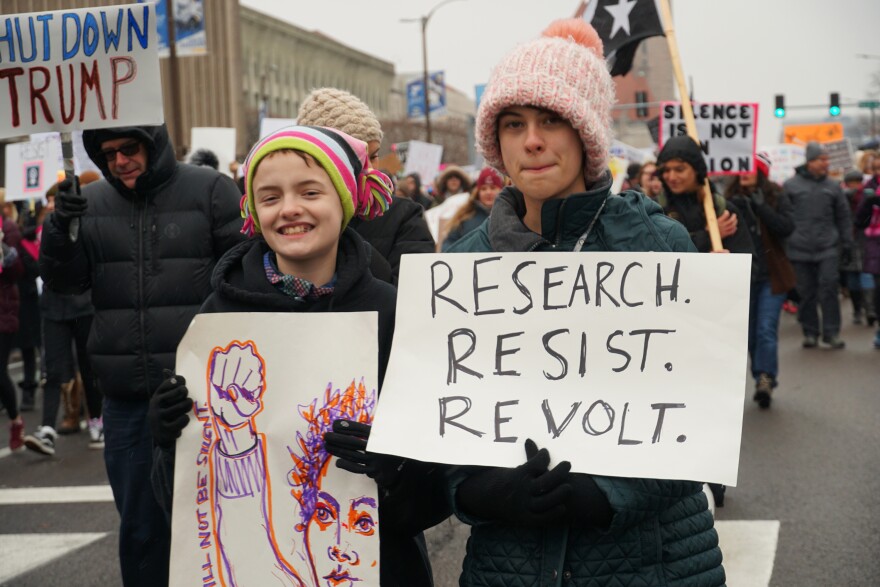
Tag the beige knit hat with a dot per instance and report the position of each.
(337, 109)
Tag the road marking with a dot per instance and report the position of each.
(23, 552)
(5, 452)
(749, 549)
(70, 494)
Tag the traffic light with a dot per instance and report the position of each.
(642, 104)
(780, 106)
(834, 107)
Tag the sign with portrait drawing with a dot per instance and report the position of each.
(257, 499)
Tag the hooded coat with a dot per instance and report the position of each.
(660, 531)
(418, 501)
(147, 253)
(9, 277)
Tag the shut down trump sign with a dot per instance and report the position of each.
(76, 69)
(624, 364)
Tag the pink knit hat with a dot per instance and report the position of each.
(563, 71)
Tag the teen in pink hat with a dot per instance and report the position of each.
(545, 121)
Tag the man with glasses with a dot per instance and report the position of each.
(146, 242)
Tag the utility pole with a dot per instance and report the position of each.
(174, 86)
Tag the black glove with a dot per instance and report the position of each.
(529, 495)
(348, 443)
(69, 203)
(758, 197)
(169, 409)
(846, 256)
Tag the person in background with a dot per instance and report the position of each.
(633, 179)
(11, 270)
(29, 339)
(545, 121)
(822, 237)
(150, 235)
(451, 181)
(412, 189)
(683, 173)
(766, 213)
(867, 220)
(67, 320)
(402, 229)
(858, 284)
(649, 180)
(476, 209)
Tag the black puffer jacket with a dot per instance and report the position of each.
(148, 255)
(418, 501)
(402, 229)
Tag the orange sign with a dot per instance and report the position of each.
(825, 132)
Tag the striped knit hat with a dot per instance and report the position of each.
(564, 72)
(363, 191)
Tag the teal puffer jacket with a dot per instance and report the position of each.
(661, 532)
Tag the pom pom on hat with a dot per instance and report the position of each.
(363, 191)
(563, 72)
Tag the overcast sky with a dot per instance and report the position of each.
(735, 50)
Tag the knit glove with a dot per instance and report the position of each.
(529, 495)
(169, 409)
(758, 197)
(69, 203)
(348, 443)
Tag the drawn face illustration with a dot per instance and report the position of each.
(342, 532)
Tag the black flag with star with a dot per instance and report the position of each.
(622, 25)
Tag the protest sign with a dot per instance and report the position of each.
(784, 159)
(624, 364)
(824, 132)
(630, 153)
(218, 140)
(840, 156)
(257, 499)
(32, 167)
(424, 159)
(78, 69)
(270, 125)
(727, 131)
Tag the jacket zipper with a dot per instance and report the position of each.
(559, 224)
(141, 317)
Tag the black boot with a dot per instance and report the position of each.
(856, 296)
(28, 391)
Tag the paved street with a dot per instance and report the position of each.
(803, 511)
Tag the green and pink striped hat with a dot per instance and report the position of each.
(363, 191)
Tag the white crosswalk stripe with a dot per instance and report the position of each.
(23, 552)
(70, 494)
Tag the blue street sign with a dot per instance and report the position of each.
(415, 96)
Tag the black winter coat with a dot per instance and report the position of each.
(688, 209)
(418, 501)
(9, 277)
(402, 229)
(148, 255)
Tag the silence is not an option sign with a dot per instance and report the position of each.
(728, 133)
(624, 364)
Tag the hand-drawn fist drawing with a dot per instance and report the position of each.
(237, 376)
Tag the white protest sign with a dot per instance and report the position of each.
(728, 132)
(444, 213)
(219, 140)
(784, 159)
(840, 155)
(424, 159)
(624, 364)
(79, 69)
(270, 125)
(256, 499)
(630, 153)
(32, 167)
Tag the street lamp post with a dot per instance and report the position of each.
(423, 20)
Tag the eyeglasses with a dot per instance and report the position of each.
(128, 149)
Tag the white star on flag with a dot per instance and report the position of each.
(620, 12)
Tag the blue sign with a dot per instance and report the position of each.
(478, 91)
(189, 27)
(415, 95)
